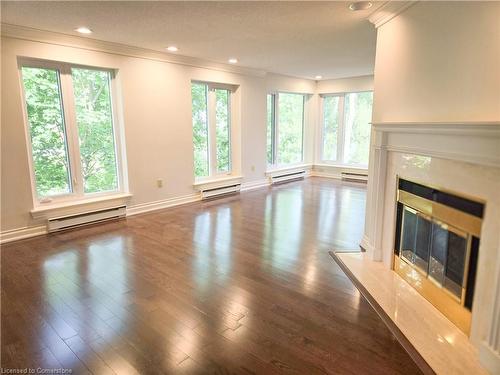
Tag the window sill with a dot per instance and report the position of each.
(53, 210)
(288, 168)
(359, 168)
(217, 182)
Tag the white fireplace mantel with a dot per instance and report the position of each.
(464, 157)
(476, 143)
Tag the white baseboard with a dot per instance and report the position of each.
(165, 203)
(246, 186)
(489, 358)
(22, 233)
(27, 232)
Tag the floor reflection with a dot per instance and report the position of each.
(212, 240)
(85, 285)
(283, 228)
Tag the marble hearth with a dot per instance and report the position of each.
(460, 157)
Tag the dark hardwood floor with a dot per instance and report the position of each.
(239, 285)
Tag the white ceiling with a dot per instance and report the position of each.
(301, 39)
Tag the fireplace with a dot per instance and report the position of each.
(436, 246)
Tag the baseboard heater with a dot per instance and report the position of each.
(219, 191)
(356, 177)
(290, 176)
(72, 221)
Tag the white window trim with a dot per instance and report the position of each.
(77, 196)
(340, 133)
(274, 118)
(275, 137)
(213, 173)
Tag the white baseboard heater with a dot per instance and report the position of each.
(355, 177)
(288, 176)
(72, 221)
(221, 190)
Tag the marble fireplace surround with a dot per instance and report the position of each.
(461, 157)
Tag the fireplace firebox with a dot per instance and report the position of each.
(437, 245)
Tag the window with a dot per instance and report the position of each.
(211, 111)
(271, 131)
(346, 128)
(330, 127)
(285, 128)
(71, 130)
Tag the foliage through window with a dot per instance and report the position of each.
(346, 128)
(70, 123)
(211, 114)
(47, 131)
(200, 128)
(222, 134)
(95, 129)
(331, 127)
(285, 128)
(270, 129)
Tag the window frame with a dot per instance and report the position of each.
(274, 143)
(211, 102)
(340, 131)
(275, 135)
(68, 111)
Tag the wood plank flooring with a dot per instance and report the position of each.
(240, 285)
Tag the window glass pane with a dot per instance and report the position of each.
(357, 114)
(222, 130)
(200, 129)
(290, 117)
(330, 127)
(270, 129)
(94, 119)
(47, 131)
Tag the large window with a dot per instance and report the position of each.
(346, 128)
(285, 128)
(71, 130)
(211, 106)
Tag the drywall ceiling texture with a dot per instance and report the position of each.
(438, 62)
(301, 39)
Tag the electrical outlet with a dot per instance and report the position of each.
(253, 168)
(159, 183)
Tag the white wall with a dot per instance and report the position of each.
(354, 84)
(439, 61)
(156, 102)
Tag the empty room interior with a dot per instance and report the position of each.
(250, 187)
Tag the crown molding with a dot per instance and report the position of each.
(388, 11)
(467, 128)
(50, 37)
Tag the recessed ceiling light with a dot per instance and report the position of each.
(318, 77)
(172, 48)
(360, 5)
(232, 60)
(84, 30)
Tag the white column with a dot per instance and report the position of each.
(489, 352)
(374, 216)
